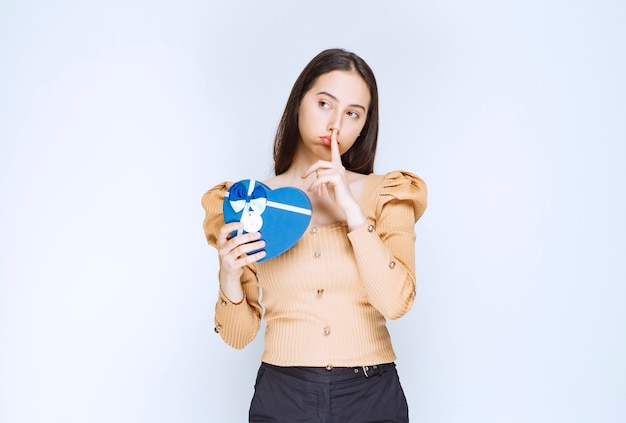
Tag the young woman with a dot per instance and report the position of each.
(328, 355)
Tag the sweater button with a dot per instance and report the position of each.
(317, 254)
(320, 291)
(223, 303)
(329, 367)
(413, 294)
(370, 228)
(326, 331)
(392, 264)
(217, 328)
(313, 231)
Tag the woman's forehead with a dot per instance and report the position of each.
(348, 87)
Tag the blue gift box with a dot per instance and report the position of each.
(281, 215)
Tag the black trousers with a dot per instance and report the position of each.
(316, 395)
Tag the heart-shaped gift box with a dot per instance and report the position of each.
(281, 215)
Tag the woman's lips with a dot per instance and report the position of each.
(326, 141)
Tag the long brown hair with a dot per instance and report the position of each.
(360, 157)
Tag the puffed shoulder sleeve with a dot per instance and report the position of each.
(385, 246)
(404, 187)
(212, 204)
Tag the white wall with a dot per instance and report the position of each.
(116, 116)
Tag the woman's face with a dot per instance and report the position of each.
(337, 100)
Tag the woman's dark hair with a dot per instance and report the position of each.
(360, 157)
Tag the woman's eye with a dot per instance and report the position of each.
(324, 104)
(353, 115)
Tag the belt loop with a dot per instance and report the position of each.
(365, 369)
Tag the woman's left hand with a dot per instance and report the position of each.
(331, 179)
(331, 175)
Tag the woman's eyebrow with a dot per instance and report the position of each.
(337, 100)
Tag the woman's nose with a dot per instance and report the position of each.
(335, 122)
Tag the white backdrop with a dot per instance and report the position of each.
(116, 116)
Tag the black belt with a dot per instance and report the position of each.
(333, 374)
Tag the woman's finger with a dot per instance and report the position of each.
(317, 168)
(227, 229)
(335, 156)
(243, 249)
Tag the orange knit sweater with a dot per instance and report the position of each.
(326, 300)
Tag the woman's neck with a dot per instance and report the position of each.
(293, 175)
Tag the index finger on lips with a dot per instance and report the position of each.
(335, 156)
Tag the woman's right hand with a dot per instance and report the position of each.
(233, 257)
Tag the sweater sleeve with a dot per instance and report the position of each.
(238, 323)
(385, 246)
